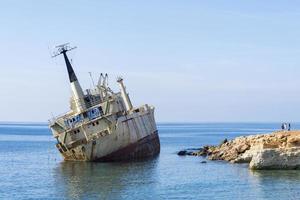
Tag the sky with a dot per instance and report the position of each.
(195, 61)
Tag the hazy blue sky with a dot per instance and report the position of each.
(193, 60)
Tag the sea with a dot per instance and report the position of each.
(32, 168)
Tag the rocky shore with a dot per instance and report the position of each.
(277, 150)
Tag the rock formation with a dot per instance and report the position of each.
(278, 150)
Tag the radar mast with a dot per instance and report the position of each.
(78, 95)
(63, 49)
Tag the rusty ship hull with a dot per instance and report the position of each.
(146, 147)
(131, 137)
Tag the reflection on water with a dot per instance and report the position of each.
(277, 184)
(79, 180)
(284, 175)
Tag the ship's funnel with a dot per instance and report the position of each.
(77, 92)
(125, 96)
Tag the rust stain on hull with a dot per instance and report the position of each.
(148, 146)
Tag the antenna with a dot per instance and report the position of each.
(63, 48)
(100, 80)
(92, 79)
(106, 79)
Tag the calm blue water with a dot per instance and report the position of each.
(31, 168)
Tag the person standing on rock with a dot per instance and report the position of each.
(289, 127)
(285, 126)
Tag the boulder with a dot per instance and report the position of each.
(224, 141)
(182, 153)
(276, 159)
(189, 152)
(242, 148)
(294, 141)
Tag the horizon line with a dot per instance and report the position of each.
(162, 122)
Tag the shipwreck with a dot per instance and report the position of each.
(103, 125)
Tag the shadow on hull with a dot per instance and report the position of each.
(146, 148)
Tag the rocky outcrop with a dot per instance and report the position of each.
(189, 152)
(276, 159)
(278, 150)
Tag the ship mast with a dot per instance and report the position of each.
(78, 95)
